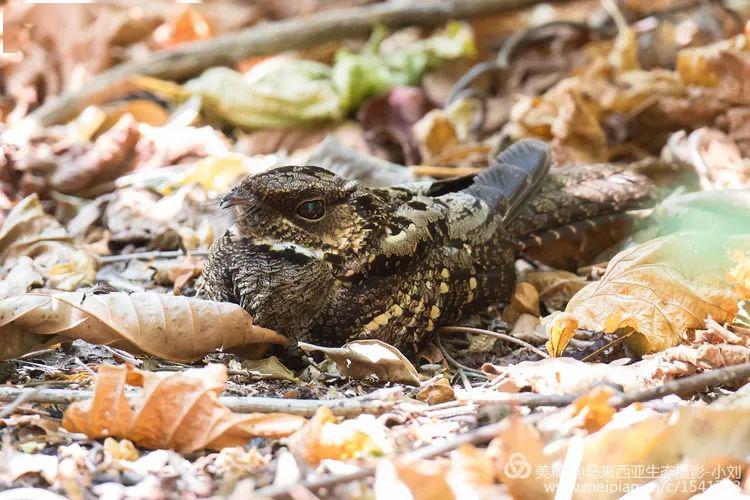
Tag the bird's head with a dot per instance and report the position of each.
(304, 207)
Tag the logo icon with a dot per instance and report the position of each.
(517, 467)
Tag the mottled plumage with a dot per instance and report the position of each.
(324, 259)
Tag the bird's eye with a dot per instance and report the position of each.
(311, 209)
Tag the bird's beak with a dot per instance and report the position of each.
(233, 199)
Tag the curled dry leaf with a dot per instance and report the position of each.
(436, 392)
(176, 328)
(560, 328)
(556, 287)
(660, 289)
(322, 437)
(180, 411)
(362, 358)
(269, 368)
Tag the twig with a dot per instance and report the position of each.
(451, 360)
(302, 407)
(20, 399)
(480, 331)
(476, 436)
(608, 345)
(687, 386)
(156, 254)
(267, 38)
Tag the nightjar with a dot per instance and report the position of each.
(324, 259)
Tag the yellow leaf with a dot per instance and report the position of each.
(216, 173)
(660, 289)
(561, 327)
(322, 437)
(593, 408)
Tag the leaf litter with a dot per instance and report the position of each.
(120, 382)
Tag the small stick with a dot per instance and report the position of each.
(156, 254)
(20, 399)
(247, 404)
(262, 39)
(480, 331)
(453, 361)
(476, 436)
(687, 386)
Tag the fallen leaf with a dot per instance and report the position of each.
(556, 287)
(142, 110)
(363, 358)
(187, 26)
(441, 131)
(560, 328)
(715, 157)
(269, 368)
(388, 121)
(121, 450)
(171, 327)
(592, 409)
(468, 474)
(660, 288)
(570, 376)
(322, 437)
(439, 391)
(525, 299)
(21, 278)
(109, 157)
(180, 411)
(29, 232)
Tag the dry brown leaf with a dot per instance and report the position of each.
(322, 437)
(29, 232)
(660, 289)
(556, 287)
(715, 157)
(525, 299)
(363, 358)
(560, 328)
(569, 376)
(176, 328)
(439, 391)
(109, 157)
(180, 411)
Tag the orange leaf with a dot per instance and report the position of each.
(180, 411)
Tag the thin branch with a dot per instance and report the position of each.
(451, 360)
(156, 254)
(503, 336)
(266, 38)
(302, 407)
(687, 386)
